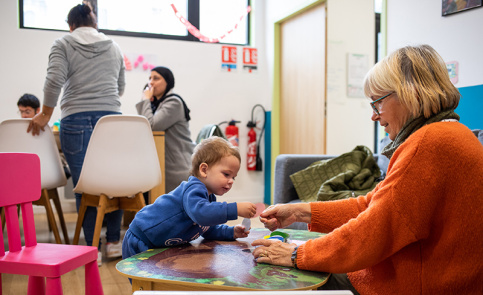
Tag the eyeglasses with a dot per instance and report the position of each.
(373, 104)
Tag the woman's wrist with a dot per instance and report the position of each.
(47, 111)
(303, 212)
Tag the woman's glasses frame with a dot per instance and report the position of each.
(373, 103)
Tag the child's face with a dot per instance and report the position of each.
(27, 112)
(219, 177)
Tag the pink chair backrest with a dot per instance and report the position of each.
(19, 184)
(19, 178)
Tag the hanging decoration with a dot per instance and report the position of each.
(195, 32)
(141, 62)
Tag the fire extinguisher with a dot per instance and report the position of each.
(231, 132)
(252, 147)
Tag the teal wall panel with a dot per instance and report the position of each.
(470, 107)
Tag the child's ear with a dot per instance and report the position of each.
(203, 169)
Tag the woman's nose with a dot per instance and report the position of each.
(374, 117)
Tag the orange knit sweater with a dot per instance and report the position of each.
(420, 231)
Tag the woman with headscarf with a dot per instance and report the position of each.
(419, 230)
(167, 111)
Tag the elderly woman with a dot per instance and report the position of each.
(419, 230)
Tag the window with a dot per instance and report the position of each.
(215, 19)
(218, 17)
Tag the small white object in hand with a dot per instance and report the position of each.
(247, 223)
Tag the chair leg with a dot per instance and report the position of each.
(54, 195)
(45, 201)
(132, 204)
(2, 213)
(80, 220)
(53, 286)
(101, 211)
(36, 286)
(92, 279)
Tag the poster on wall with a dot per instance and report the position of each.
(250, 60)
(357, 67)
(228, 58)
(454, 6)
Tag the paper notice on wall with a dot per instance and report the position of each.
(250, 60)
(452, 67)
(357, 67)
(228, 58)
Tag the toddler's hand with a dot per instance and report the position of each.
(246, 209)
(239, 232)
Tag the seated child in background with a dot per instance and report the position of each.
(28, 105)
(191, 210)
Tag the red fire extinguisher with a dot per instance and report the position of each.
(231, 132)
(252, 147)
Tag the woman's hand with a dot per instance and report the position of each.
(246, 209)
(40, 120)
(282, 215)
(239, 231)
(273, 252)
(148, 93)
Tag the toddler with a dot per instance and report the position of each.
(191, 210)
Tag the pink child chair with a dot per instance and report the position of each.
(20, 184)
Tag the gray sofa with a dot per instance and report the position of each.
(287, 164)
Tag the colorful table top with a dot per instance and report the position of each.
(221, 263)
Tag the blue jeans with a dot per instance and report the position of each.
(75, 133)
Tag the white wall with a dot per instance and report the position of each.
(456, 37)
(350, 30)
(212, 95)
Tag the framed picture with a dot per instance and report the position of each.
(454, 6)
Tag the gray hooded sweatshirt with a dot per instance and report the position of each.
(90, 67)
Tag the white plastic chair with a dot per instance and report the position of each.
(14, 138)
(121, 163)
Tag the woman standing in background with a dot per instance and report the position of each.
(90, 68)
(167, 111)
